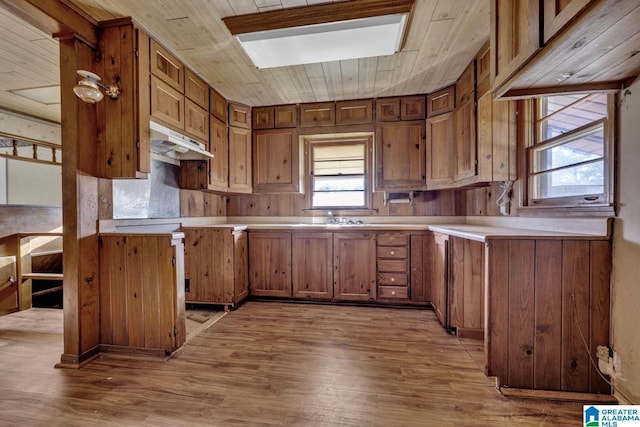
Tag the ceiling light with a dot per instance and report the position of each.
(322, 33)
(88, 88)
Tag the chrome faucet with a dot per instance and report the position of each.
(331, 219)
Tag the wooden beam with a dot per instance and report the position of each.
(55, 16)
(318, 14)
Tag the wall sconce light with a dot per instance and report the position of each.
(88, 88)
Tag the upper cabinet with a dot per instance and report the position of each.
(239, 116)
(465, 125)
(400, 156)
(318, 114)
(354, 112)
(218, 105)
(539, 46)
(239, 160)
(276, 161)
(401, 108)
(166, 67)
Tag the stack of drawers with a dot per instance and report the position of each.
(393, 266)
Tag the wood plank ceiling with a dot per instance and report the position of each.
(443, 38)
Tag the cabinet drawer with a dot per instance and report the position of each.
(393, 279)
(393, 292)
(392, 265)
(389, 239)
(396, 252)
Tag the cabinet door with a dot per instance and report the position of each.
(465, 118)
(313, 265)
(466, 287)
(440, 151)
(387, 109)
(240, 116)
(270, 263)
(354, 267)
(442, 101)
(196, 121)
(558, 13)
(483, 70)
(515, 37)
(276, 164)
(167, 104)
(218, 106)
(196, 89)
(318, 114)
(400, 156)
(466, 84)
(419, 267)
(354, 112)
(219, 147)
(263, 118)
(239, 160)
(166, 67)
(439, 276)
(413, 107)
(240, 266)
(209, 264)
(286, 116)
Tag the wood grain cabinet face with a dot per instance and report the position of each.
(286, 116)
(440, 276)
(270, 264)
(413, 107)
(142, 292)
(276, 161)
(312, 257)
(466, 84)
(420, 253)
(196, 121)
(441, 102)
(354, 275)
(508, 51)
(218, 106)
(387, 109)
(557, 14)
(440, 150)
(263, 118)
(166, 67)
(196, 89)
(125, 151)
(219, 147)
(167, 104)
(465, 120)
(400, 156)
(354, 112)
(239, 116)
(483, 70)
(239, 160)
(466, 287)
(318, 114)
(393, 266)
(216, 265)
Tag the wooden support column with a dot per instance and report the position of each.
(80, 209)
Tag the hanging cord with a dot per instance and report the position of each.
(584, 341)
(503, 200)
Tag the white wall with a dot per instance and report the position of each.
(30, 183)
(626, 252)
(3, 181)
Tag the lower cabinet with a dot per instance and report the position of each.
(313, 265)
(440, 276)
(142, 292)
(466, 287)
(393, 267)
(270, 263)
(354, 266)
(216, 270)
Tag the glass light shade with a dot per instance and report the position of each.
(88, 91)
(334, 41)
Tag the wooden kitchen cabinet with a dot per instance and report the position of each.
(557, 14)
(216, 265)
(413, 107)
(354, 112)
(218, 106)
(276, 161)
(440, 151)
(441, 101)
(239, 116)
(285, 116)
(420, 254)
(312, 257)
(466, 287)
(543, 296)
(166, 67)
(167, 104)
(393, 266)
(196, 122)
(218, 178)
(354, 264)
(263, 118)
(465, 120)
(239, 160)
(515, 37)
(270, 263)
(124, 151)
(318, 114)
(440, 276)
(196, 89)
(400, 156)
(387, 109)
(142, 302)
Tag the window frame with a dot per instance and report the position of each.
(601, 204)
(365, 138)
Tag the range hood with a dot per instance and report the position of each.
(169, 143)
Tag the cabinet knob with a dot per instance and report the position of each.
(393, 252)
(393, 292)
(393, 279)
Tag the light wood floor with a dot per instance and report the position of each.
(267, 364)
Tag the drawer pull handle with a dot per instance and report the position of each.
(393, 279)
(393, 252)
(393, 292)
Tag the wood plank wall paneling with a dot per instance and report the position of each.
(194, 203)
(548, 312)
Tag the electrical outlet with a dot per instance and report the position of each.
(603, 353)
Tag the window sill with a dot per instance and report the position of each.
(565, 211)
